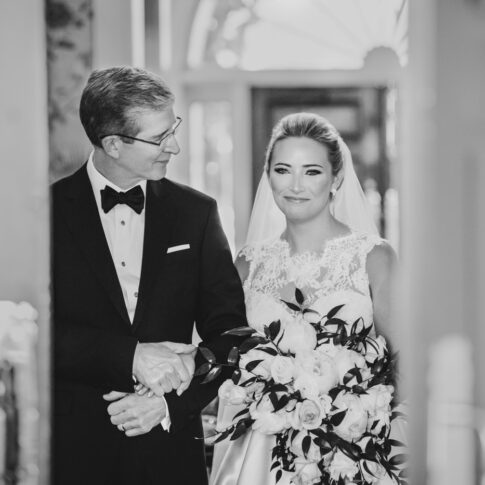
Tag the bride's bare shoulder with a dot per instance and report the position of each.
(381, 261)
(242, 265)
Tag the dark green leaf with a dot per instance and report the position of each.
(398, 459)
(233, 356)
(241, 413)
(305, 445)
(203, 369)
(279, 473)
(240, 331)
(239, 431)
(334, 311)
(336, 321)
(355, 372)
(395, 443)
(251, 342)
(337, 418)
(236, 376)
(274, 329)
(212, 374)
(279, 388)
(283, 401)
(253, 364)
(292, 306)
(299, 296)
(351, 450)
(370, 448)
(309, 310)
(274, 399)
(249, 381)
(222, 436)
(398, 414)
(241, 427)
(404, 473)
(208, 355)
(268, 350)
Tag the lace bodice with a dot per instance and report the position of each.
(336, 274)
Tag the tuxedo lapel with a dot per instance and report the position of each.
(159, 222)
(82, 217)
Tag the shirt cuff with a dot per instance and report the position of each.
(166, 422)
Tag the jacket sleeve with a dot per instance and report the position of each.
(93, 356)
(220, 307)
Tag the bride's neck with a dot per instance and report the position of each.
(312, 235)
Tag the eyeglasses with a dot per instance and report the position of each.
(159, 143)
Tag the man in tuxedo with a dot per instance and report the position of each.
(137, 259)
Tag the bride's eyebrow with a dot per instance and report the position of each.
(308, 165)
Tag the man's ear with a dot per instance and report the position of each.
(112, 145)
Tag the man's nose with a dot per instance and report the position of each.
(171, 145)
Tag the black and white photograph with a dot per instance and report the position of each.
(242, 242)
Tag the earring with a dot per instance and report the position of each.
(333, 192)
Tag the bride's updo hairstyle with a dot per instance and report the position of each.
(309, 125)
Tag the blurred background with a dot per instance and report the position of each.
(403, 83)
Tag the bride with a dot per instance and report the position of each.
(318, 237)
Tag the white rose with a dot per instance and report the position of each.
(266, 420)
(282, 369)
(255, 390)
(298, 336)
(377, 398)
(25, 311)
(354, 423)
(308, 386)
(329, 349)
(342, 466)
(261, 310)
(376, 471)
(319, 366)
(231, 393)
(306, 473)
(296, 447)
(346, 360)
(263, 369)
(377, 421)
(355, 306)
(306, 415)
(326, 403)
(18, 331)
(375, 350)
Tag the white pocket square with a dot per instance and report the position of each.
(180, 247)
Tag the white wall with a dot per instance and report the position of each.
(24, 206)
(443, 175)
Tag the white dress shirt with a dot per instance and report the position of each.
(124, 230)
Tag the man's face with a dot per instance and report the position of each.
(143, 161)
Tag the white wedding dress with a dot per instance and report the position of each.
(335, 275)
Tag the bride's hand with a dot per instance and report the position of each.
(141, 390)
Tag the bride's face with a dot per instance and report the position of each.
(301, 178)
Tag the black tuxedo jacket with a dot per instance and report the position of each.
(94, 340)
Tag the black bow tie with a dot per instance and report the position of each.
(135, 198)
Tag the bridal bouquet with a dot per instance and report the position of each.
(324, 387)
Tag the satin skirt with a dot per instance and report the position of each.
(247, 460)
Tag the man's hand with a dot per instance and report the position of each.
(164, 366)
(134, 414)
